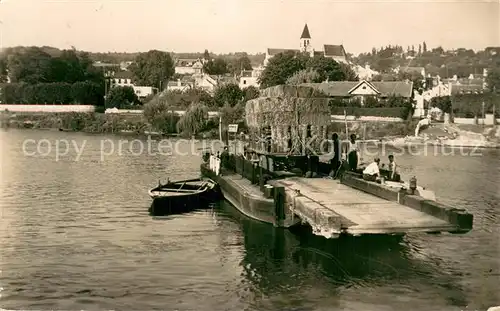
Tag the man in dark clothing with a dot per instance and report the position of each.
(224, 158)
(336, 152)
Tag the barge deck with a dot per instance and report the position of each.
(332, 208)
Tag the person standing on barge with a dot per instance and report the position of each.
(336, 153)
(352, 153)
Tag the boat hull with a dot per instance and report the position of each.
(176, 203)
(250, 204)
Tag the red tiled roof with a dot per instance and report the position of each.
(305, 33)
(334, 50)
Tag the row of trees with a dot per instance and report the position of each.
(33, 65)
(468, 105)
(224, 95)
(233, 64)
(85, 93)
(392, 106)
(37, 76)
(460, 62)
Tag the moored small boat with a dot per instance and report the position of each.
(184, 195)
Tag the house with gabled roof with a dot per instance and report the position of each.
(335, 52)
(362, 89)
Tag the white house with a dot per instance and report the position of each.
(144, 91)
(365, 73)
(250, 78)
(335, 52)
(125, 78)
(189, 66)
(121, 78)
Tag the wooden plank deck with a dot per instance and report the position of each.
(362, 213)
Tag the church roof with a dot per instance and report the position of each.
(334, 50)
(305, 33)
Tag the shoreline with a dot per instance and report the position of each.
(395, 142)
(379, 133)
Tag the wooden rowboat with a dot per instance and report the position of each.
(182, 196)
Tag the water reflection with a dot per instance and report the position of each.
(280, 264)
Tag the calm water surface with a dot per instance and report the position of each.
(76, 235)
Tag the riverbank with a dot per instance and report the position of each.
(452, 135)
(89, 122)
(398, 134)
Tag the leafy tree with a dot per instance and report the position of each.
(236, 65)
(232, 114)
(87, 93)
(424, 47)
(304, 76)
(327, 68)
(67, 67)
(160, 115)
(3, 70)
(251, 92)
(284, 65)
(206, 55)
(182, 99)
(194, 120)
(228, 94)
(217, 66)
(443, 103)
(281, 67)
(121, 97)
(32, 66)
(349, 74)
(493, 79)
(153, 68)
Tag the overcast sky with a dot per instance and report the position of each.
(247, 25)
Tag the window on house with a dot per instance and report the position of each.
(364, 87)
(244, 81)
(119, 81)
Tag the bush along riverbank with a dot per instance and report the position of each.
(196, 123)
(93, 122)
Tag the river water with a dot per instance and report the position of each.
(76, 235)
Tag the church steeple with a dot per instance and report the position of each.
(305, 41)
(305, 33)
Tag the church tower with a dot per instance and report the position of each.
(305, 41)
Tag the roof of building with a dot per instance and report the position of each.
(342, 88)
(123, 75)
(224, 79)
(466, 88)
(305, 33)
(246, 73)
(186, 62)
(277, 51)
(100, 64)
(334, 50)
